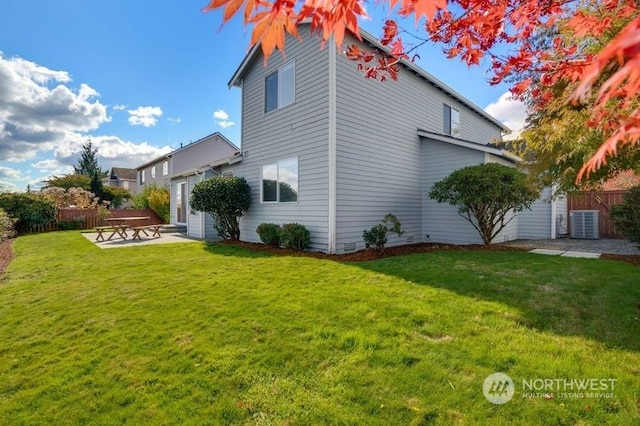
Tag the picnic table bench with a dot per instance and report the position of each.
(120, 225)
(155, 229)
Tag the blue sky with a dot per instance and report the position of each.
(139, 78)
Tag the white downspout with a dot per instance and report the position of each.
(553, 212)
(331, 243)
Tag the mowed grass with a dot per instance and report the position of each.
(213, 334)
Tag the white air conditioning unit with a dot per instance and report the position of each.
(584, 224)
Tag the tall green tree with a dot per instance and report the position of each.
(88, 162)
(88, 165)
(560, 138)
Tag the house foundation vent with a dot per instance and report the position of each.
(349, 246)
(410, 239)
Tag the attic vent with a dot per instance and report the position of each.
(410, 239)
(584, 224)
(349, 246)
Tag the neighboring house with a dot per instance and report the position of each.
(155, 172)
(121, 177)
(345, 150)
(192, 164)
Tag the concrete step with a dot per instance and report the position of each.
(172, 228)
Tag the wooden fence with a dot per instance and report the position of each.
(601, 201)
(88, 218)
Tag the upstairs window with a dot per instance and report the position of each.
(165, 168)
(153, 172)
(279, 87)
(451, 121)
(280, 181)
(142, 177)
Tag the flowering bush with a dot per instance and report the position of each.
(76, 198)
(6, 226)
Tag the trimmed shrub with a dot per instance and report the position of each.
(73, 224)
(269, 234)
(626, 215)
(226, 199)
(486, 195)
(294, 236)
(377, 237)
(30, 210)
(6, 226)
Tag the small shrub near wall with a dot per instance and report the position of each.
(269, 234)
(294, 236)
(77, 222)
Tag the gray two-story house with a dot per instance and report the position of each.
(328, 148)
(190, 165)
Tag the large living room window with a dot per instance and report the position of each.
(451, 121)
(280, 87)
(280, 181)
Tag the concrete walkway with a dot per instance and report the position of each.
(576, 248)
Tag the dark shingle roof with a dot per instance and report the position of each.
(122, 173)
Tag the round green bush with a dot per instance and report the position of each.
(269, 234)
(294, 236)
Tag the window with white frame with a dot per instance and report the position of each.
(280, 87)
(451, 121)
(153, 172)
(142, 176)
(125, 184)
(280, 181)
(165, 168)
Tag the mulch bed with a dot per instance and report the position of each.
(365, 255)
(6, 254)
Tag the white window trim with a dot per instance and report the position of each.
(281, 69)
(277, 201)
(454, 131)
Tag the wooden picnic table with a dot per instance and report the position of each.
(120, 225)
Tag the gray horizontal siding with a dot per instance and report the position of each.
(297, 130)
(194, 218)
(378, 166)
(199, 154)
(537, 222)
(441, 221)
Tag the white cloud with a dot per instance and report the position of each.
(222, 119)
(7, 186)
(38, 110)
(146, 116)
(119, 107)
(220, 115)
(509, 111)
(174, 120)
(9, 173)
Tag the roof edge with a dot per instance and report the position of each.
(471, 145)
(236, 78)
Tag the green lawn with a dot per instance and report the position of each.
(213, 334)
